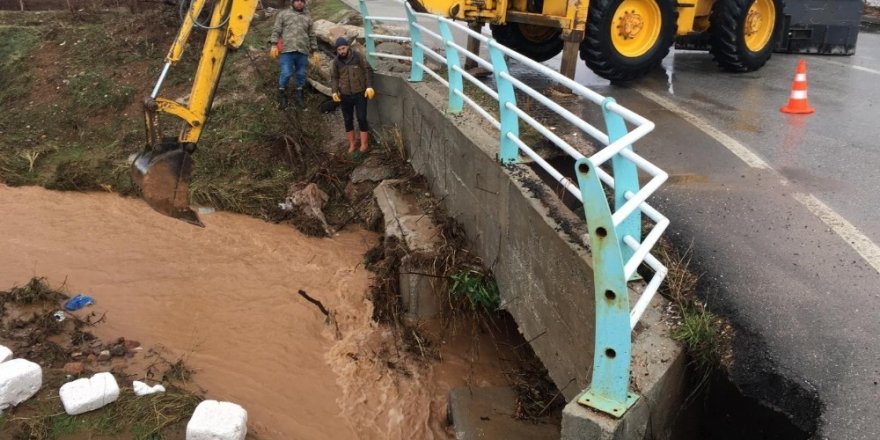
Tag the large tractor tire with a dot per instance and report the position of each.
(539, 43)
(625, 39)
(742, 33)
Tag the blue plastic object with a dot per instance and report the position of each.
(78, 302)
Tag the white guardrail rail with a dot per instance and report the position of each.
(615, 236)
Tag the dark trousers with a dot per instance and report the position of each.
(351, 104)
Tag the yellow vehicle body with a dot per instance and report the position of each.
(162, 171)
(623, 39)
(562, 14)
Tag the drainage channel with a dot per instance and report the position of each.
(717, 408)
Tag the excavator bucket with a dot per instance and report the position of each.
(163, 175)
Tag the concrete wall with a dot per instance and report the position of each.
(544, 279)
(534, 246)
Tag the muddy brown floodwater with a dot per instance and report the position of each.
(224, 299)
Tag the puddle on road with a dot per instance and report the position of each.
(224, 298)
(668, 65)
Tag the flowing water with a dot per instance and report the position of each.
(224, 298)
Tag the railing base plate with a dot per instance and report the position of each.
(607, 406)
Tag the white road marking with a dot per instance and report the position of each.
(857, 240)
(838, 63)
(740, 150)
(849, 233)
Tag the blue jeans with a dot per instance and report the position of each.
(290, 62)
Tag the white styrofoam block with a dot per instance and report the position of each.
(5, 354)
(20, 379)
(87, 394)
(213, 420)
(142, 389)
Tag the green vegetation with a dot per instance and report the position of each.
(72, 91)
(327, 8)
(145, 417)
(478, 287)
(72, 113)
(17, 43)
(699, 329)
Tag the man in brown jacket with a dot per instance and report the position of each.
(352, 84)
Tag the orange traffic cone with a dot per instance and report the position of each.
(797, 101)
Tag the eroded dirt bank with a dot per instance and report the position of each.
(224, 298)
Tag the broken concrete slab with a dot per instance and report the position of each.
(422, 291)
(404, 220)
(489, 413)
(328, 31)
(372, 169)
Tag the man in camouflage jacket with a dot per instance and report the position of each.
(293, 27)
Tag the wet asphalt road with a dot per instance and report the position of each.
(805, 301)
(783, 233)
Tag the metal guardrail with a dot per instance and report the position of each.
(615, 236)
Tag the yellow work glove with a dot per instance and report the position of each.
(336, 98)
(273, 52)
(370, 93)
(315, 59)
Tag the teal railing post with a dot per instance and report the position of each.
(416, 73)
(452, 62)
(368, 32)
(612, 354)
(509, 152)
(626, 179)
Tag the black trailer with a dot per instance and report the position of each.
(827, 27)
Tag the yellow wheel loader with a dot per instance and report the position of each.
(623, 39)
(162, 170)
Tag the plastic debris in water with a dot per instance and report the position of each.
(142, 389)
(78, 302)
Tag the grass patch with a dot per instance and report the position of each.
(325, 9)
(91, 91)
(478, 287)
(18, 43)
(701, 331)
(76, 123)
(144, 418)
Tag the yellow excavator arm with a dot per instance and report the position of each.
(163, 169)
